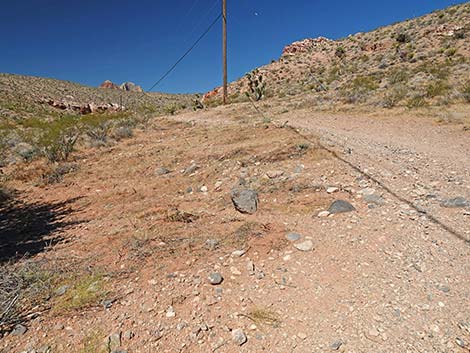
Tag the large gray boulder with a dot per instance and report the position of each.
(245, 200)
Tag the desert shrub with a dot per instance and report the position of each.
(402, 37)
(437, 88)
(450, 52)
(358, 89)
(23, 288)
(340, 52)
(417, 101)
(171, 109)
(97, 127)
(465, 91)
(58, 139)
(398, 76)
(256, 85)
(56, 173)
(394, 96)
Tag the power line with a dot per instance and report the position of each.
(165, 75)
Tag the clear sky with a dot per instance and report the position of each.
(89, 41)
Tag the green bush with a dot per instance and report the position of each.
(394, 96)
(340, 52)
(465, 91)
(416, 101)
(437, 88)
(358, 89)
(398, 76)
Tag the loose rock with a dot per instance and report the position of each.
(162, 171)
(239, 337)
(457, 202)
(245, 200)
(19, 330)
(340, 206)
(306, 245)
(215, 278)
(293, 236)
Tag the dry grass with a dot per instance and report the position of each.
(264, 316)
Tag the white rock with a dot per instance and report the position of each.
(306, 245)
(332, 189)
(239, 337)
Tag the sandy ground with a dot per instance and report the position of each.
(391, 276)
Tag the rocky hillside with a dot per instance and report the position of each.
(39, 114)
(419, 62)
(24, 96)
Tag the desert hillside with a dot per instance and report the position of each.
(420, 62)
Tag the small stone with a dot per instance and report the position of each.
(302, 336)
(61, 290)
(217, 185)
(181, 326)
(191, 169)
(373, 332)
(239, 337)
(374, 199)
(19, 330)
(340, 206)
(273, 174)
(114, 341)
(324, 214)
(212, 244)
(215, 278)
(336, 345)
(128, 335)
(250, 267)
(457, 202)
(293, 236)
(238, 253)
(235, 271)
(444, 289)
(306, 245)
(107, 303)
(170, 312)
(203, 188)
(331, 189)
(162, 171)
(245, 200)
(460, 342)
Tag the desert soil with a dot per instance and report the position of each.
(390, 276)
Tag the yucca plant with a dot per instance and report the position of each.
(256, 85)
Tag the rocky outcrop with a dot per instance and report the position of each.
(131, 87)
(210, 94)
(83, 108)
(126, 86)
(305, 45)
(446, 30)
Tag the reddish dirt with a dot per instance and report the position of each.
(383, 278)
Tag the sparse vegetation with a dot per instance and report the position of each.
(465, 91)
(84, 291)
(437, 88)
(256, 85)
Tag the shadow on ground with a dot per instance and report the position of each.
(27, 229)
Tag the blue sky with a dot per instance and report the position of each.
(88, 41)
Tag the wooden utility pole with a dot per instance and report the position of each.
(224, 46)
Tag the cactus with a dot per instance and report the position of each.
(256, 85)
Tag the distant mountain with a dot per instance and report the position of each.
(126, 86)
